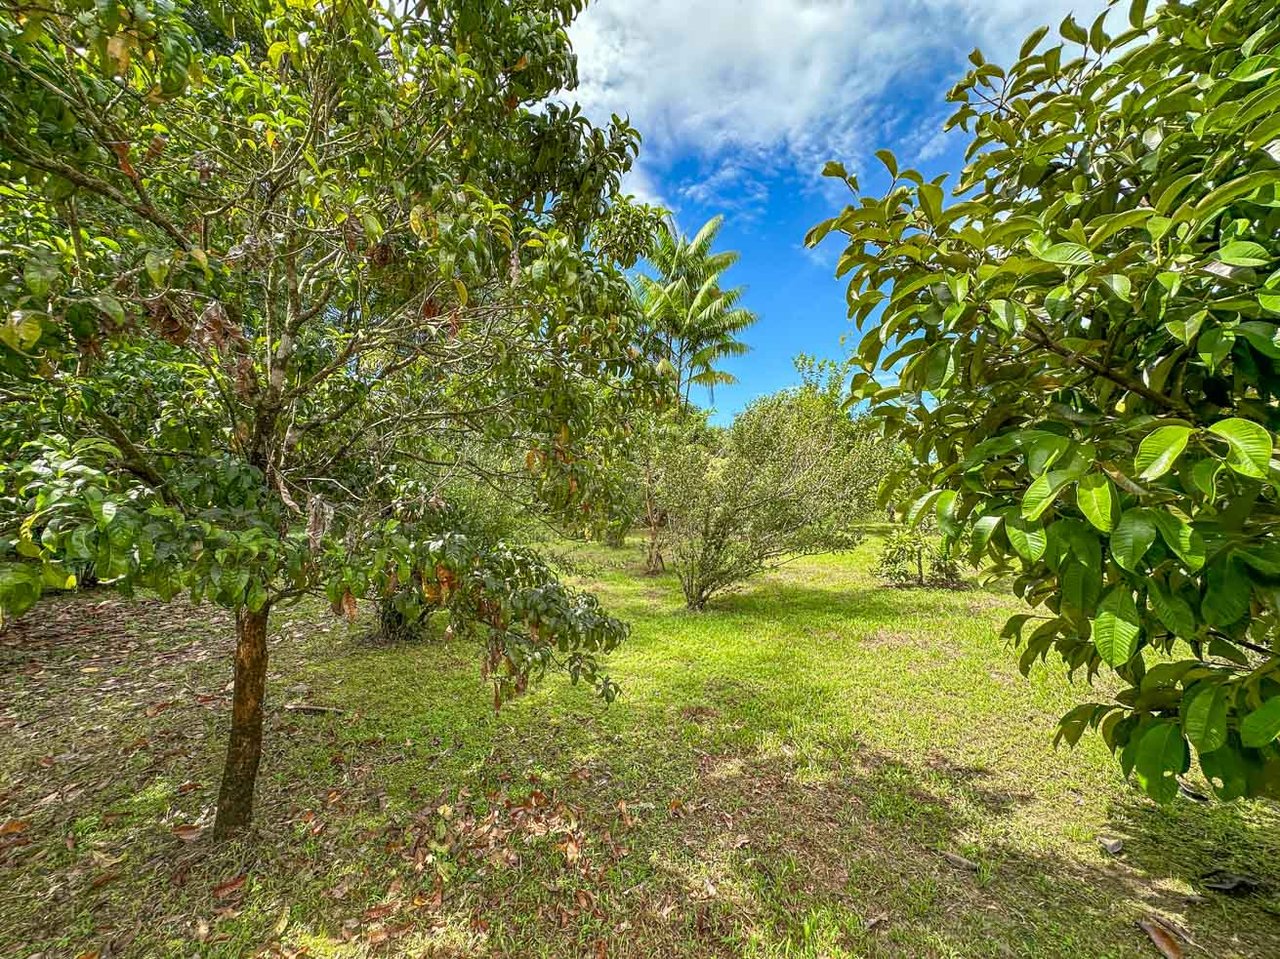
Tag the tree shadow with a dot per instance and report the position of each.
(698, 817)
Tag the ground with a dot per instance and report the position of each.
(817, 766)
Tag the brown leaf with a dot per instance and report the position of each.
(103, 879)
(188, 832)
(1161, 937)
(229, 888)
(374, 913)
(157, 708)
(960, 862)
(348, 606)
(14, 826)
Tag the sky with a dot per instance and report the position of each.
(741, 102)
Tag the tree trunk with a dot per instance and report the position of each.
(235, 798)
(653, 563)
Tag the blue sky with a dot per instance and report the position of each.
(740, 103)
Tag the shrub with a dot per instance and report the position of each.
(912, 557)
(790, 477)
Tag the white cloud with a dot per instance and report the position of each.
(745, 85)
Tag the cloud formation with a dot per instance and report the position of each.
(749, 84)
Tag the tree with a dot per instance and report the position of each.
(695, 320)
(791, 477)
(1091, 354)
(251, 288)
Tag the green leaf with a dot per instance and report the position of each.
(1044, 489)
(1029, 539)
(1204, 716)
(1067, 254)
(1262, 725)
(1226, 596)
(1244, 253)
(1174, 613)
(1226, 773)
(1071, 30)
(890, 162)
(1096, 498)
(109, 305)
(1161, 756)
(1250, 446)
(1181, 537)
(1160, 450)
(1255, 68)
(1117, 627)
(1132, 537)
(1032, 41)
(1138, 13)
(39, 272)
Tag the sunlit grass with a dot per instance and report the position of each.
(816, 766)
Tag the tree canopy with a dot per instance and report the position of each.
(265, 266)
(694, 318)
(1088, 342)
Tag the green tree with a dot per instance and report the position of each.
(1089, 348)
(793, 476)
(251, 290)
(695, 320)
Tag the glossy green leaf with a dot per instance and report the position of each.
(1117, 627)
(1161, 757)
(1250, 446)
(1261, 726)
(1132, 537)
(1096, 498)
(1204, 716)
(1159, 451)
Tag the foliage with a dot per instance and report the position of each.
(1089, 350)
(695, 320)
(917, 556)
(264, 296)
(790, 477)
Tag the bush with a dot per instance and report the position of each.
(791, 477)
(912, 557)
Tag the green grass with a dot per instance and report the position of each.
(784, 775)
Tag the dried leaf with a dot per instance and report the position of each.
(960, 862)
(1161, 937)
(188, 832)
(230, 887)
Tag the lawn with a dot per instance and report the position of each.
(817, 766)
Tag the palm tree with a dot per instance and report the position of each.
(695, 319)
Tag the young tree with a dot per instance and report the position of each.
(1091, 355)
(247, 282)
(791, 477)
(695, 320)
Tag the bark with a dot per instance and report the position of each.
(244, 750)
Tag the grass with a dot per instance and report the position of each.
(817, 767)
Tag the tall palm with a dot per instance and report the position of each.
(696, 320)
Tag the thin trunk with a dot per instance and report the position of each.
(244, 751)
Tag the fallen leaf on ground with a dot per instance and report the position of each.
(14, 826)
(1161, 937)
(230, 887)
(188, 832)
(960, 862)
